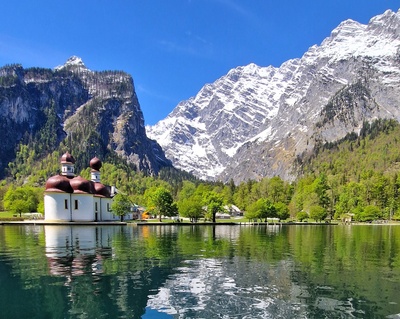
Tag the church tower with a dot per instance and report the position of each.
(67, 165)
(95, 165)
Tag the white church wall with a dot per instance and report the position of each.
(57, 206)
(106, 212)
(82, 207)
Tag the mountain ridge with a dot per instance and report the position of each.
(94, 112)
(254, 121)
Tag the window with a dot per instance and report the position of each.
(66, 203)
(76, 204)
(95, 206)
(108, 206)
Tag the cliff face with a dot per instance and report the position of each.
(255, 121)
(97, 111)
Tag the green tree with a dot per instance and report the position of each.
(241, 196)
(121, 206)
(269, 209)
(349, 199)
(160, 199)
(321, 187)
(19, 206)
(276, 189)
(214, 204)
(282, 210)
(317, 212)
(20, 200)
(262, 208)
(191, 208)
(187, 190)
(255, 210)
(369, 213)
(301, 215)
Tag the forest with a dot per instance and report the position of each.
(357, 176)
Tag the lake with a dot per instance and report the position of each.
(207, 272)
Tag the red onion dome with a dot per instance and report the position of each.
(102, 190)
(95, 164)
(67, 158)
(59, 184)
(81, 185)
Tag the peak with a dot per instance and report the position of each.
(346, 27)
(387, 14)
(388, 21)
(73, 61)
(250, 69)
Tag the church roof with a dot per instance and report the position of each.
(78, 184)
(67, 158)
(95, 164)
(58, 184)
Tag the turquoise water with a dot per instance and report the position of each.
(200, 271)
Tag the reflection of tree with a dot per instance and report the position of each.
(27, 246)
(93, 272)
(113, 271)
(202, 241)
(346, 261)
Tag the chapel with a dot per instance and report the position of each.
(72, 198)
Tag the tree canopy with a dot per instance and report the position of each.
(358, 175)
(161, 201)
(121, 205)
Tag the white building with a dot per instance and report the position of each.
(72, 198)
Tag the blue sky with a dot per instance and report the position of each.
(171, 47)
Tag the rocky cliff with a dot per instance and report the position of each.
(92, 112)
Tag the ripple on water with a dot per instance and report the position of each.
(210, 288)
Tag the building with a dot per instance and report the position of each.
(72, 198)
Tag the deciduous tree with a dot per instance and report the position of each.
(191, 207)
(161, 199)
(214, 204)
(121, 206)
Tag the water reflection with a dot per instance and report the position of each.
(73, 251)
(199, 272)
(209, 288)
(233, 285)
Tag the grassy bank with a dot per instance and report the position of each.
(6, 215)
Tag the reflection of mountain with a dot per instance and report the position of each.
(90, 272)
(193, 271)
(218, 288)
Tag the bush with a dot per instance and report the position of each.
(301, 216)
(370, 213)
(317, 212)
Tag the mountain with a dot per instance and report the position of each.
(258, 121)
(91, 113)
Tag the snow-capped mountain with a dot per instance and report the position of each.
(254, 121)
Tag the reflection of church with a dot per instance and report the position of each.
(72, 198)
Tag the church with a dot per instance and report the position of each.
(74, 199)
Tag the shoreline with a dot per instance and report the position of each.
(44, 222)
(115, 223)
(130, 223)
